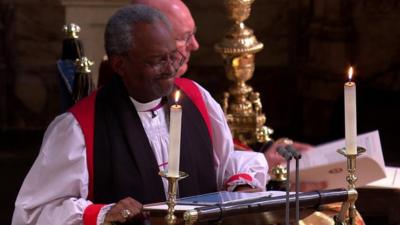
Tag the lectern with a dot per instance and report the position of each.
(263, 210)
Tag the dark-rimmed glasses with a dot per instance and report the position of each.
(160, 63)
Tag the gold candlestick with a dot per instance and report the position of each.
(170, 218)
(351, 178)
(242, 106)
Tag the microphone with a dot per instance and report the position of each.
(284, 153)
(293, 151)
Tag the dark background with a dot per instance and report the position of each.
(300, 73)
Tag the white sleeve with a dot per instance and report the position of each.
(228, 162)
(56, 187)
(247, 167)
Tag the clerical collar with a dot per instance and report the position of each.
(149, 106)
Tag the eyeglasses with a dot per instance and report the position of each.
(159, 63)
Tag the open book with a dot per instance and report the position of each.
(392, 179)
(323, 163)
(214, 198)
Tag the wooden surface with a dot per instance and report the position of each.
(379, 206)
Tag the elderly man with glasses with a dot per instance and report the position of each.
(99, 162)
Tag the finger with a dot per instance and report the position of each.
(124, 210)
(135, 207)
(114, 214)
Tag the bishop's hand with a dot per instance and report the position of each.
(126, 210)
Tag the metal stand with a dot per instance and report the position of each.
(349, 205)
(170, 218)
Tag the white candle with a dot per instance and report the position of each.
(174, 138)
(350, 113)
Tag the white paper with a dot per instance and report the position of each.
(392, 179)
(323, 163)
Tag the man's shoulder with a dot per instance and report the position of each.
(84, 109)
(190, 85)
(84, 104)
(184, 81)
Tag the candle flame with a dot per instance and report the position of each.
(177, 95)
(350, 73)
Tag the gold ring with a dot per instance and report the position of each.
(126, 213)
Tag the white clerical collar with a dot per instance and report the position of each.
(146, 107)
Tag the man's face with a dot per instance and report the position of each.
(149, 68)
(184, 33)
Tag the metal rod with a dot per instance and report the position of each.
(297, 191)
(287, 193)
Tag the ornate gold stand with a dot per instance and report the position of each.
(71, 31)
(83, 82)
(170, 218)
(242, 106)
(351, 178)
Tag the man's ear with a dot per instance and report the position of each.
(118, 64)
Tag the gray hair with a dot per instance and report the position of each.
(119, 33)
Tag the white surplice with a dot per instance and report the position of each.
(56, 188)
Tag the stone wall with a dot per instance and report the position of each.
(31, 37)
(300, 72)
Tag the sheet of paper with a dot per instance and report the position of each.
(392, 179)
(323, 163)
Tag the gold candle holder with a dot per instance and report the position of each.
(242, 106)
(170, 218)
(351, 178)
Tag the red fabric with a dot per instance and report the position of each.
(240, 146)
(90, 214)
(84, 114)
(193, 92)
(244, 176)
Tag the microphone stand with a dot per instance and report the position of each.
(297, 157)
(288, 156)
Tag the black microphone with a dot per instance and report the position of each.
(293, 151)
(284, 153)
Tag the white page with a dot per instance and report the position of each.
(324, 163)
(392, 179)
